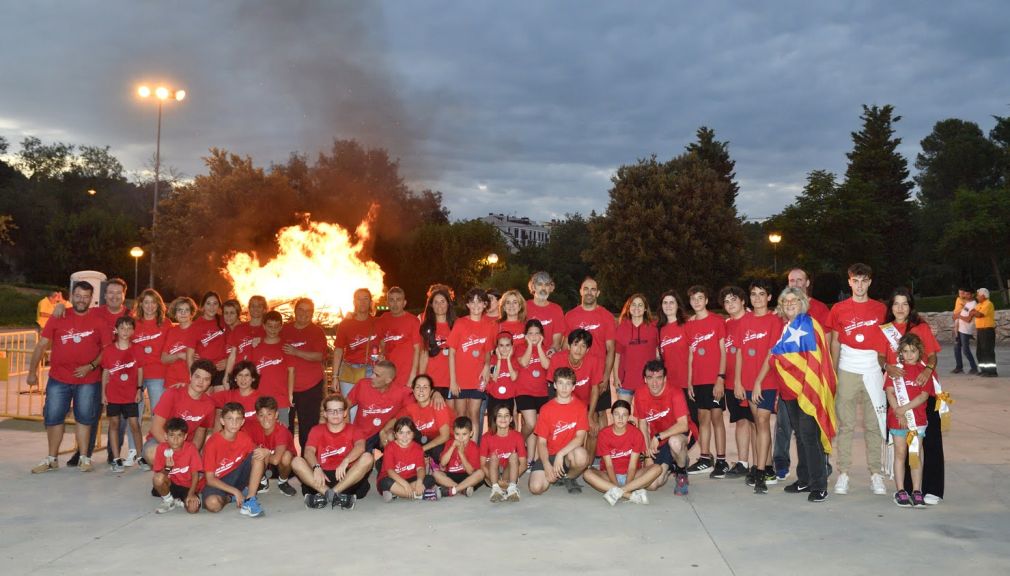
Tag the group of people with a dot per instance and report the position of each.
(441, 405)
(975, 317)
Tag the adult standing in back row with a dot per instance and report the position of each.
(985, 327)
(964, 330)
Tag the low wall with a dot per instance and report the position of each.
(942, 324)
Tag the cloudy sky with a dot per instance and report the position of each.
(524, 108)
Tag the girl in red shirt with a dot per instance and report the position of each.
(470, 345)
(212, 338)
(637, 341)
(179, 350)
(403, 474)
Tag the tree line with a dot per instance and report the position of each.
(669, 223)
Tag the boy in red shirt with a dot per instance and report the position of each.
(233, 465)
(334, 464)
(561, 432)
(733, 303)
(663, 419)
(460, 470)
(177, 470)
(503, 457)
(706, 380)
(190, 403)
(619, 448)
(266, 432)
(122, 379)
(277, 373)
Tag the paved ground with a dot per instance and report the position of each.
(66, 522)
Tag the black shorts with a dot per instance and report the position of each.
(125, 410)
(457, 477)
(530, 402)
(386, 483)
(705, 399)
(472, 394)
(494, 403)
(217, 378)
(736, 411)
(539, 465)
(435, 453)
(360, 489)
(237, 478)
(604, 401)
(179, 492)
(443, 390)
(373, 443)
(664, 456)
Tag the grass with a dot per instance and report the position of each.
(18, 306)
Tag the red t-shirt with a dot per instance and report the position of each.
(221, 455)
(356, 338)
(235, 395)
(185, 462)
(558, 423)
(427, 419)
(636, 345)
(818, 311)
(673, 349)
(177, 403)
(241, 338)
(501, 385)
(703, 338)
(438, 365)
(758, 335)
(504, 446)
(280, 437)
(407, 462)
(376, 407)
(149, 340)
(619, 448)
(661, 412)
(272, 364)
(923, 331)
(211, 339)
(471, 341)
(178, 340)
(108, 317)
(308, 339)
(122, 366)
(551, 316)
(587, 375)
(911, 373)
(732, 343)
(532, 379)
(855, 323)
(332, 447)
(455, 463)
(599, 322)
(76, 339)
(399, 336)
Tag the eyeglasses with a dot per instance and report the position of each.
(335, 410)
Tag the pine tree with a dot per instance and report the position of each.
(716, 155)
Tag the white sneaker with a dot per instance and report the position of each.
(85, 465)
(932, 499)
(512, 493)
(613, 496)
(639, 497)
(496, 493)
(131, 457)
(166, 506)
(877, 484)
(842, 484)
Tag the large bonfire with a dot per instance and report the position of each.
(314, 259)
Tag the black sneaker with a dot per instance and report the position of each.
(573, 486)
(346, 501)
(771, 478)
(264, 486)
(796, 488)
(817, 496)
(700, 467)
(751, 476)
(286, 489)
(315, 501)
(738, 471)
(719, 470)
(74, 460)
(759, 485)
(957, 371)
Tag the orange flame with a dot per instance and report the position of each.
(314, 259)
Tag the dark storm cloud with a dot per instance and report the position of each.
(523, 108)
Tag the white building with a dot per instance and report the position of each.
(519, 231)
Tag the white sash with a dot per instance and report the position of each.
(912, 438)
(943, 400)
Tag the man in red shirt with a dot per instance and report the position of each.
(856, 340)
(77, 340)
(377, 402)
(561, 431)
(663, 418)
(304, 344)
(400, 335)
(550, 315)
(355, 349)
(191, 403)
(599, 322)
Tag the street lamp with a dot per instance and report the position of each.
(136, 252)
(161, 94)
(492, 258)
(92, 192)
(775, 238)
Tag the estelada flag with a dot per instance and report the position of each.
(803, 360)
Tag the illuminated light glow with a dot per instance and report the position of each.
(492, 258)
(774, 238)
(161, 92)
(144, 91)
(314, 259)
(136, 251)
(180, 95)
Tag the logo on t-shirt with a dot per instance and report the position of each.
(268, 362)
(855, 324)
(473, 341)
(192, 417)
(653, 415)
(562, 427)
(211, 336)
(359, 342)
(330, 452)
(748, 336)
(373, 410)
(75, 337)
(668, 341)
(225, 465)
(401, 468)
(699, 338)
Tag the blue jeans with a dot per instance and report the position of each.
(963, 344)
(86, 398)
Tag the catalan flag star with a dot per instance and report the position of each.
(795, 335)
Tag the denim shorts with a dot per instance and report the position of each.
(767, 400)
(86, 398)
(237, 478)
(901, 433)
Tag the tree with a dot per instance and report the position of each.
(980, 229)
(44, 161)
(716, 155)
(665, 228)
(98, 163)
(564, 256)
(453, 254)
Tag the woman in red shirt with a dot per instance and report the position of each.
(637, 342)
(436, 325)
(180, 343)
(212, 339)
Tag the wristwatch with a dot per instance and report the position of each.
(316, 467)
(659, 437)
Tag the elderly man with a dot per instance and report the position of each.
(985, 328)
